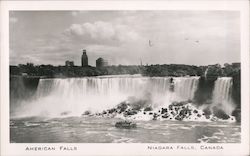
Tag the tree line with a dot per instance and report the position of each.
(175, 70)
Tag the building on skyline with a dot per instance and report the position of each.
(69, 63)
(84, 58)
(236, 64)
(100, 62)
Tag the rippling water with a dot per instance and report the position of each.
(102, 130)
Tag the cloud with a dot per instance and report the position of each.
(102, 31)
(122, 37)
(13, 20)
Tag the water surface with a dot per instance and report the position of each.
(102, 130)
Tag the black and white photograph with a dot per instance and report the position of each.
(91, 79)
(125, 77)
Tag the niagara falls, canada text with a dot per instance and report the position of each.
(186, 147)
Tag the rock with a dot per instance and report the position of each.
(219, 113)
(185, 112)
(165, 116)
(170, 107)
(174, 103)
(155, 116)
(104, 112)
(179, 118)
(148, 109)
(110, 111)
(237, 114)
(207, 111)
(182, 113)
(176, 109)
(122, 107)
(207, 116)
(180, 103)
(214, 119)
(98, 114)
(150, 113)
(195, 111)
(125, 124)
(130, 112)
(65, 113)
(139, 104)
(86, 113)
(164, 110)
(183, 103)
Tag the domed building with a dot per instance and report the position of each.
(100, 62)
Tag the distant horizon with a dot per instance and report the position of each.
(197, 38)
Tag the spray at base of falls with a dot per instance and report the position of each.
(73, 96)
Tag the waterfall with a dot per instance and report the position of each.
(205, 74)
(75, 95)
(222, 94)
(185, 87)
(102, 86)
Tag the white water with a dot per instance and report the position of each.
(74, 96)
(205, 74)
(222, 94)
(185, 87)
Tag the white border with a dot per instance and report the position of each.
(127, 148)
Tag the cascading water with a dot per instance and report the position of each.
(185, 87)
(222, 94)
(205, 74)
(75, 95)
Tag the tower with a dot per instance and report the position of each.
(84, 58)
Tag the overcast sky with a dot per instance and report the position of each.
(122, 37)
